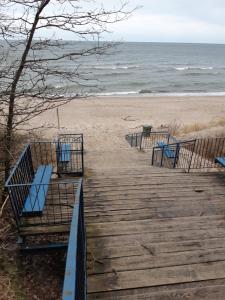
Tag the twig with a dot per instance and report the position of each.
(127, 119)
(3, 205)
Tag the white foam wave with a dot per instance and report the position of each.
(120, 67)
(117, 93)
(193, 68)
(161, 94)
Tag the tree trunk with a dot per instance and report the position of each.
(9, 128)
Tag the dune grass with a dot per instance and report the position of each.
(176, 128)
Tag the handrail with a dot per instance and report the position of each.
(75, 285)
(16, 164)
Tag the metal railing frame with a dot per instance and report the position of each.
(75, 280)
(143, 142)
(201, 155)
(182, 154)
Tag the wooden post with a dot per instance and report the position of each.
(57, 110)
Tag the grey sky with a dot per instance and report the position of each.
(174, 21)
(196, 21)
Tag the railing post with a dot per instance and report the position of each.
(82, 153)
(162, 156)
(141, 141)
(153, 156)
(189, 167)
(176, 155)
(168, 138)
(131, 143)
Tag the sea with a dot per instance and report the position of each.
(146, 69)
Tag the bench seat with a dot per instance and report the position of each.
(64, 151)
(167, 150)
(35, 200)
(220, 160)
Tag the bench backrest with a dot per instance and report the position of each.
(18, 182)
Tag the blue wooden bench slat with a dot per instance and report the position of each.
(64, 152)
(167, 150)
(220, 160)
(35, 200)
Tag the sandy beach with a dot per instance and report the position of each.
(104, 121)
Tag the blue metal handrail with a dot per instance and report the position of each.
(75, 285)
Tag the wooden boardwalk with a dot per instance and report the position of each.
(154, 233)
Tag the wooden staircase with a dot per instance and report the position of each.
(154, 233)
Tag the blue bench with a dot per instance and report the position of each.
(168, 152)
(220, 160)
(64, 153)
(35, 200)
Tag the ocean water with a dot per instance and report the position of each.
(159, 68)
(147, 69)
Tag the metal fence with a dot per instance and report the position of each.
(134, 139)
(197, 154)
(65, 155)
(39, 202)
(75, 142)
(75, 286)
(205, 152)
(177, 155)
(145, 142)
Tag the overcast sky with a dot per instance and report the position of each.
(173, 21)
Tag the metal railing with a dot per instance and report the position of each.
(45, 153)
(75, 280)
(76, 153)
(134, 139)
(205, 152)
(58, 195)
(197, 154)
(145, 142)
(180, 155)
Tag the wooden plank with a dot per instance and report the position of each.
(163, 189)
(31, 230)
(215, 292)
(157, 225)
(153, 202)
(155, 260)
(156, 277)
(149, 183)
(155, 237)
(153, 213)
(155, 249)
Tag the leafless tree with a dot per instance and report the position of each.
(29, 59)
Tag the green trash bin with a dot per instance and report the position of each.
(147, 130)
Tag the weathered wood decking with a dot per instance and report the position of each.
(154, 233)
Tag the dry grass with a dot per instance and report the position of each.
(175, 127)
(219, 122)
(193, 128)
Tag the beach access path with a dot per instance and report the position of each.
(152, 233)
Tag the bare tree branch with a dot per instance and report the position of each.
(29, 60)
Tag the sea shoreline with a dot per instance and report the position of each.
(155, 95)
